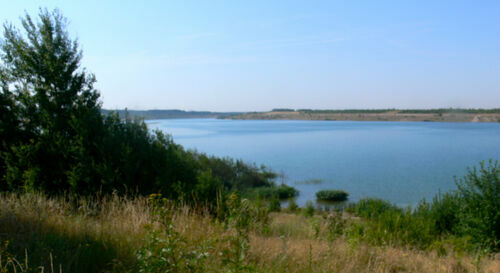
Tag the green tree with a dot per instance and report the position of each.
(56, 103)
(479, 214)
(8, 124)
(55, 139)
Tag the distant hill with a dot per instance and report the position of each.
(169, 114)
(446, 115)
(440, 115)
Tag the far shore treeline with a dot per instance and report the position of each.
(175, 113)
(403, 111)
(167, 114)
(55, 137)
(405, 115)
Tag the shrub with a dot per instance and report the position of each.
(164, 249)
(443, 211)
(309, 209)
(281, 192)
(168, 251)
(389, 224)
(470, 215)
(371, 207)
(335, 224)
(401, 227)
(292, 205)
(274, 204)
(242, 214)
(332, 195)
(479, 202)
(206, 188)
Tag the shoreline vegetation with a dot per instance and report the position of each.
(123, 234)
(85, 191)
(332, 195)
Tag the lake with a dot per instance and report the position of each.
(401, 162)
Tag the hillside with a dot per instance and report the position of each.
(168, 114)
(439, 115)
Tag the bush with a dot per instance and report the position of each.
(309, 209)
(389, 224)
(168, 251)
(470, 215)
(401, 227)
(443, 211)
(479, 205)
(274, 204)
(371, 207)
(335, 224)
(332, 195)
(281, 192)
(292, 205)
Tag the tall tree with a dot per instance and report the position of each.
(54, 101)
(54, 138)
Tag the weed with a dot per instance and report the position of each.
(292, 205)
(274, 204)
(335, 224)
(309, 209)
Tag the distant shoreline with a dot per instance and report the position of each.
(429, 115)
(168, 114)
(372, 115)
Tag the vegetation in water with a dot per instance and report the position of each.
(310, 182)
(332, 195)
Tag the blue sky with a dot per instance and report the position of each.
(259, 55)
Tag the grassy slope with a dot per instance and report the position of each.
(89, 236)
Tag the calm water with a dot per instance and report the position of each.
(402, 162)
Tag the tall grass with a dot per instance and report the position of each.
(115, 234)
(82, 235)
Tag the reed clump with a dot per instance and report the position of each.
(332, 195)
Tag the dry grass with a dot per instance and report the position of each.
(305, 255)
(113, 230)
(301, 252)
(74, 231)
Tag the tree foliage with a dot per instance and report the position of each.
(479, 206)
(54, 137)
(50, 102)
